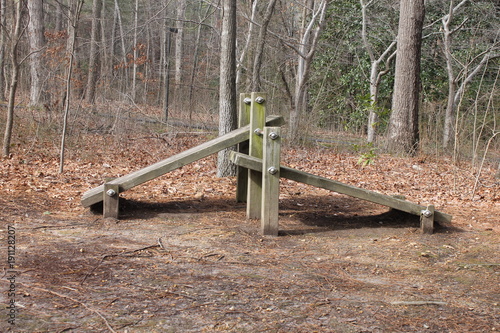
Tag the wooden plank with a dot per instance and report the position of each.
(427, 220)
(141, 176)
(271, 181)
(111, 197)
(322, 182)
(257, 119)
(242, 173)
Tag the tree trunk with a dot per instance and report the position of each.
(179, 38)
(166, 68)
(306, 51)
(37, 41)
(94, 58)
(3, 39)
(59, 16)
(106, 63)
(403, 124)
(15, 38)
(227, 90)
(195, 61)
(259, 52)
(74, 16)
(135, 52)
(249, 37)
(118, 21)
(375, 73)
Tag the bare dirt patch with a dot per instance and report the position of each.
(183, 257)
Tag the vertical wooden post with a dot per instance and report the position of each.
(257, 122)
(271, 180)
(242, 173)
(427, 220)
(110, 200)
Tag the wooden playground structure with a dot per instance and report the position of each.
(259, 172)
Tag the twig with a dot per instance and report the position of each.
(58, 226)
(76, 301)
(116, 255)
(131, 324)
(418, 303)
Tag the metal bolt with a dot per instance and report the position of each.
(259, 132)
(426, 213)
(273, 135)
(111, 193)
(260, 100)
(247, 100)
(272, 170)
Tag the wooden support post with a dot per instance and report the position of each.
(427, 220)
(270, 180)
(257, 122)
(242, 173)
(110, 200)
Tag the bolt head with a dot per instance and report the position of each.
(247, 101)
(273, 135)
(260, 100)
(272, 170)
(111, 193)
(427, 213)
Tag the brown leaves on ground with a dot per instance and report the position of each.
(184, 258)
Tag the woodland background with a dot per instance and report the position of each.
(325, 65)
(98, 89)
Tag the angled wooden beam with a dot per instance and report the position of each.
(322, 182)
(141, 176)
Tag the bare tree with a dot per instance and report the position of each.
(73, 18)
(458, 83)
(403, 123)
(15, 38)
(94, 57)
(3, 39)
(37, 41)
(256, 81)
(313, 18)
(135, 52)
(227, 90)
(240, 65)
(179, 38)
(375, 73)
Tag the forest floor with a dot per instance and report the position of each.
(183, 257)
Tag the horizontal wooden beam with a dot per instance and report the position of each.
(141, 176)
(322, 182)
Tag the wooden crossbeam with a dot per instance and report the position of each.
(158, 169)
(322, 182)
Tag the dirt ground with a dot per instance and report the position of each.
(183, 257)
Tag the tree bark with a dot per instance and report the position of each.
(3, 39)
(240, 65)
(375, 73)
(37, 42)
(306, 51)
(135, 52)
(179, 38)
(15, 38)
(259, 52)
(403, 133)
(94, 57)
(74, 16)
(227, 90)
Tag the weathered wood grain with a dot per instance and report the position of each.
(271, 181)
(322, 182)
(141, 176)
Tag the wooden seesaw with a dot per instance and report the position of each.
(259, 172)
